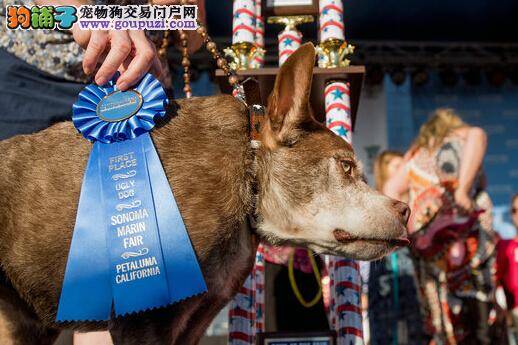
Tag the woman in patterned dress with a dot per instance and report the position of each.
(453, 241)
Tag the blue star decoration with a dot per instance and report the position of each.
(340, 290)
(236, 15)
(337, 94)
(341, 131)
(287, 42)
(249, 301)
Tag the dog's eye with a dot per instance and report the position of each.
(347, 166)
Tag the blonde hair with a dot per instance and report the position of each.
(438, 127)
(380, 167)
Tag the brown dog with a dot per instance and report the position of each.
(310, 193)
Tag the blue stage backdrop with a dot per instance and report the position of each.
(495, 109)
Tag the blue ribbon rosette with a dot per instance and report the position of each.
(130, 248)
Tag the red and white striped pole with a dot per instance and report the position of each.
(331, 20)
(258, 60)
(243, 22)
(289, 41)
(344, 275)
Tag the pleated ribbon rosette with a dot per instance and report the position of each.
(130, 248)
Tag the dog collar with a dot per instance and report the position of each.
(250, 94)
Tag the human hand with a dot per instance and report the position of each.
(463, 201)
(129, 51)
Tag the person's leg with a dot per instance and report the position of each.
(31, 100)
(482, 322)
(475, 319)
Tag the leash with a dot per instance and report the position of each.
(247, 92)
(256, 112)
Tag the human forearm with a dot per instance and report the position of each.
(393, 189)
(472, 157)
(397, 186)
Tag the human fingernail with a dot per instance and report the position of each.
(122, 85)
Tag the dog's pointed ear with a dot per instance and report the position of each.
(288, 105)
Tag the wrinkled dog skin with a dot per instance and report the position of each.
(310, 193)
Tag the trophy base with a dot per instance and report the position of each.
(243, 55)
(333, 53)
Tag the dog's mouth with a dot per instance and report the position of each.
(344, 237)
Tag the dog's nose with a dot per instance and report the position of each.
(402, 209)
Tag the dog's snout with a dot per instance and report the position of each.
(402, 209)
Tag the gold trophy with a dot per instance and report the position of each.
(290, 22)
(242, 54)
(334, 53)
(290, 29)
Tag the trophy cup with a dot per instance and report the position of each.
(290, 38)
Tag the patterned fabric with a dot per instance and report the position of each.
(345, 305)
(246, 312)
(462, 270)
(55, 51)
(52, 51)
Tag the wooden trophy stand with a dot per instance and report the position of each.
(354, 75)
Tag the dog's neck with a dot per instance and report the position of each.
(206, 154)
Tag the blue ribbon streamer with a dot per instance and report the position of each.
(130, 246)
